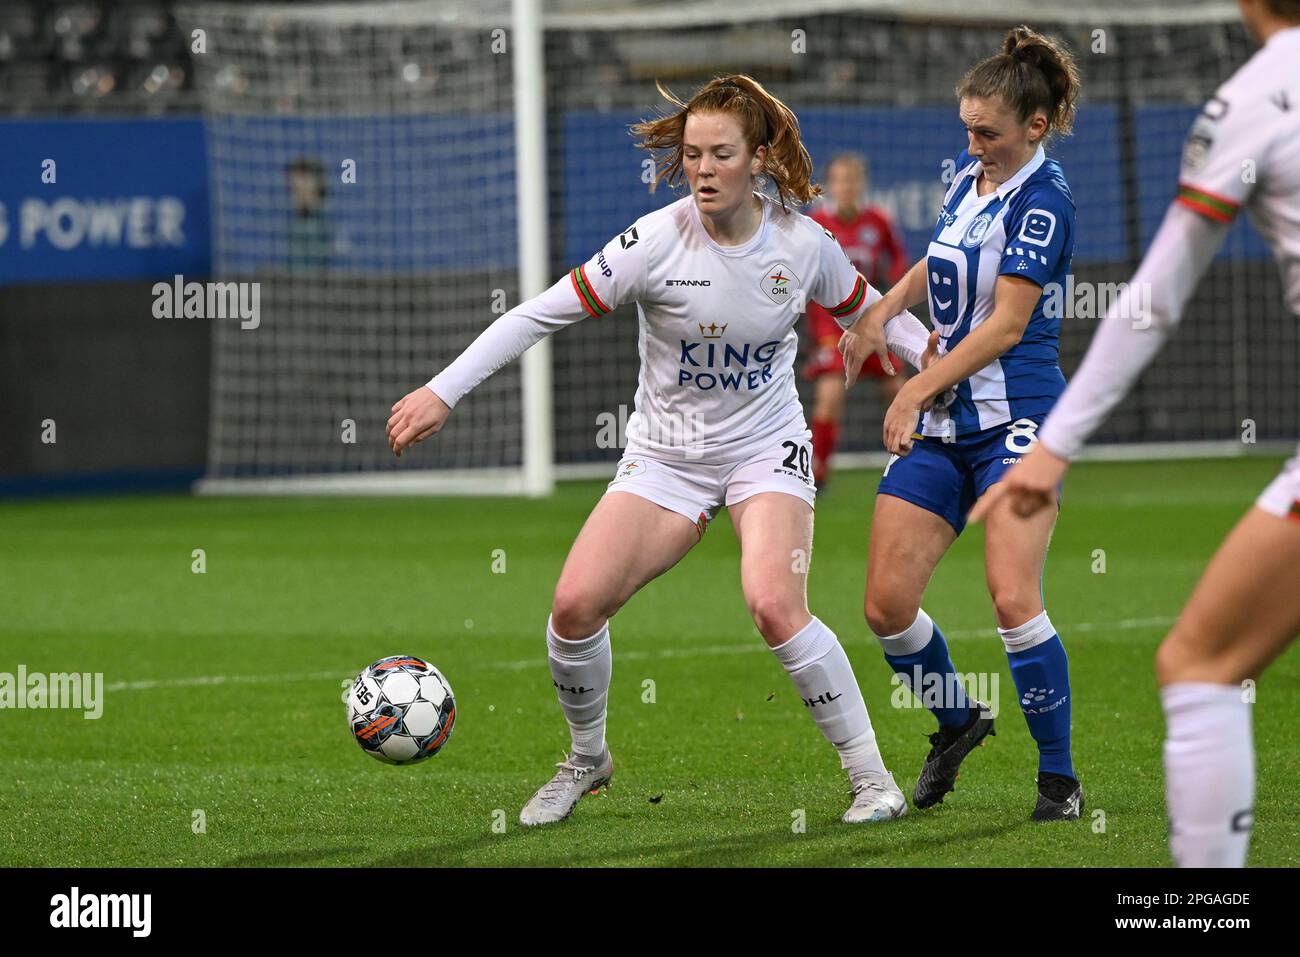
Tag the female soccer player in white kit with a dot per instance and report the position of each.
(1244, 611)
(720, 279)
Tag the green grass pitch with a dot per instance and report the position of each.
(224, 688)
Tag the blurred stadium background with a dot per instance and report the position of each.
(171, 161)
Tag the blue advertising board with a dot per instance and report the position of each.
(85, 199)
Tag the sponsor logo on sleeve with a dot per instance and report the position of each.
(1038, 227)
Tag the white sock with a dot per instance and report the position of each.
(821, 671)
(1209, 774)
(580, 671)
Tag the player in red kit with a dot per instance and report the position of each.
(875, 246)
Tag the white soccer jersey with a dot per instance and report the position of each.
(1241, 151)
(1244, 150)
(717, 327)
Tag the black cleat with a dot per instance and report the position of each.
(948, 747)
(1059, 798)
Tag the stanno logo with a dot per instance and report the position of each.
(688, 282)
(628, 238)
(102, 910)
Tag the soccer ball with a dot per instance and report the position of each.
(401, 710)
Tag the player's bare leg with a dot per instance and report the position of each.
(775, 533)
(906, 545)
(907, 542)
(1242, 614)
(599, 576)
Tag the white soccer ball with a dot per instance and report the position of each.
(401, 710)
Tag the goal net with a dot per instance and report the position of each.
(381, 281)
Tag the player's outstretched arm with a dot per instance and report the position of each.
(1128, 339)
(612, 277)
(423, 412)
(899, 332)
(416, 416)
(909, 291)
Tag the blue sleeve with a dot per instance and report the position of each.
(1040, 235)
(960, 162)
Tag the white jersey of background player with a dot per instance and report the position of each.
(1243, 152)
(720, 279)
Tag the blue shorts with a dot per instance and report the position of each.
(948, 477)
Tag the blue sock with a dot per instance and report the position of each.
(919, 656)
(1041, 672)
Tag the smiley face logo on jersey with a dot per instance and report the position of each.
(946, 280)
(1038, 227)
(942, 283)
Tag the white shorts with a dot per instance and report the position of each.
(697, 490)
(1282, 497)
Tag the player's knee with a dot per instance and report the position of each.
(775, 616)
(1171, 659)
(1013, 606)
(886, 614)
(1188, 654)
(576, 611)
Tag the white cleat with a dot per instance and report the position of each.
(559, 796)
(875, 798)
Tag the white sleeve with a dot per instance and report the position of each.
(613, 276)
(905, 335)
(838, 281)
(507, 339)
(1135, 328)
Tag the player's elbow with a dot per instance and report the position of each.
(1009, 333)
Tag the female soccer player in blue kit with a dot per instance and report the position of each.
(1005, 234)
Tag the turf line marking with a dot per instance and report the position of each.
(701, 651)
(220, 680)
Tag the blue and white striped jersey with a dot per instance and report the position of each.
(1024, 228)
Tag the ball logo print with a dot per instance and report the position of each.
(401, 710)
